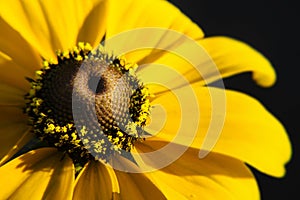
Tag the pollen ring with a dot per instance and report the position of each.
(89, 104)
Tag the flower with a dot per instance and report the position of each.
(65, 167)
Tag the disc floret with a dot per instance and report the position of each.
(120, 101)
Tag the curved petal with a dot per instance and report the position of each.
(250, 133)
(49, 25)
(214, 177)
(96, 181)
(204, 61)
(39, 174)
(13, 126)
(131, 14)
(234, 57)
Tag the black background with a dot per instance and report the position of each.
(271, 28)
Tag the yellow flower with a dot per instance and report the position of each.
(44, 37)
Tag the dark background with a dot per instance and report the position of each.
(271, 28)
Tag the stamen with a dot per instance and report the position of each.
(121, 104)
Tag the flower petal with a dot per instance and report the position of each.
(135, 185)
(24, 139)
(13, 125)
(214, 177)
(250, 133)
(11, 96)
(48, 25)
(131, 14)
(234, 57)
(204, 61)
(96, 181)
(39, 174)
(94, 25)
(12, 114)
(12, 74)
(14, 47)
(144, 20)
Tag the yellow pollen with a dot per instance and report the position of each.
(46, 65)
(81, 45)
(50, 128)
(74, 136)
(83, 131)
(65, 54)
(64, 129)
(64, 137)
(131, 128)
(78, 58)
(57, 129)
(38, 74)
(53, 121)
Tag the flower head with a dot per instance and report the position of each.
(101, 101)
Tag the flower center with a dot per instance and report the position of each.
(89, 105)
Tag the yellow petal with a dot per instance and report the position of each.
(24, 139)
(234, 57)
(139, 48)
(214, 177)
(39, 174)
(96, 181)
(170, 56)
(13, 75)
(17, 49)
(94, 25)
(12, 114)
(131, 14)
(136, 185)
(135, 28)
(13, 125)
(204, 61)
(48, 25)
(178, 59)
(11, 96)
(176, 113)
(250, 133)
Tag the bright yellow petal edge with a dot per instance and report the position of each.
(233, 57)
